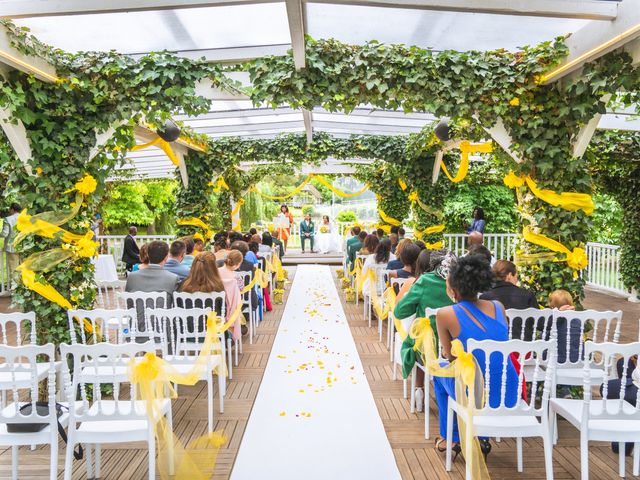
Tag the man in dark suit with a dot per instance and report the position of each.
(307, 231)
(355, 247)
(131, 252)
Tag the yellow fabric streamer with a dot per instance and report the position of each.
(162, 144)
(576, 258)
(295, 191)
(196, 222)
(419, 234)
(299, 188)
(387, 219)
(465, 149)
(236, 211)
(277, 267)
(338, 192)
(154, 379)
(260, 278)
(570, 201)
(468, 382)
(219, 185)
(388, 297)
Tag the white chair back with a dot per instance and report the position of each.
(214, 301)
(102, 325)
(97, 365)
(382, 275)
(397, 281)
(540, 355)
(15, 332)
(570, 326)
(19, 374)
(607, 355)
(529, 323)
(244, 278)
(141, 301)
(181, 330)
(107, 294)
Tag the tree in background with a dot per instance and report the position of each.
(149, 203)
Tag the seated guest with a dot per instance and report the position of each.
(204, 277)
(355, 232)
(420, 244)
(395, 229)
(257, 239)
(506, 290)
(380, 233)
(479, 320)
(562, 300)
(394, 243)
(246, 266)
(474, 238)
(254, 249)
(408, 256)
(355, 247)
(227, 272)
(154, 278)
(278, 245)
(188, 256)
(234, 236)
(198, 246)
(479, 249)
(221, 249)
(401, 233)
(267, 243)
(370, 244)
(253, 231)
(429, 290)
(144, 258)
(174, 264)
(397, 263)
(381, 256)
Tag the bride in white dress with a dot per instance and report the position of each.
(327, 239)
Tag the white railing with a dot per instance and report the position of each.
(604, 268)
(114, 244)
(502, 245)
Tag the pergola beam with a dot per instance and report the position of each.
(596, 39)
(582, 9)
(231, 54)
(11, 57)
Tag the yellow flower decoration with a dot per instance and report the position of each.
(413, 197)
(515, 101)
(38, 171)
(86, 247)
(87, 185)
(577, 259)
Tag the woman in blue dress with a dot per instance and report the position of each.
(478, 223)
(477, 319)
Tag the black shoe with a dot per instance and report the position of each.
(485, 447)
(244, 330)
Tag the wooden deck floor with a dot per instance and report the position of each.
(415, 456)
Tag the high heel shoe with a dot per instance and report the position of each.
(485, 447)
(441, 446)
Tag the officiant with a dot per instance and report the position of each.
(307, 231)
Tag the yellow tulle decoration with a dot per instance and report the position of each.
(154, 379)
(163, 145)
(419, 234)
(570, 201)
(87, 185)
(196, 222)
(576, 258)
(466, 148)
(387, 219)
(219, 185)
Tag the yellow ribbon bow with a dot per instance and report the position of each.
(576, 258)
(570, 201)
(163, 145)
(466, 148)
(196, 222)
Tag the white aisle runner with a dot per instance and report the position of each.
(314, 416)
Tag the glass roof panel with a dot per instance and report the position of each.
(175, 30)
(432, 29)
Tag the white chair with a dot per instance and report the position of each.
(182, 332)
(98, 325)
(122, 419)
(392, 283)
(21, 374)
(529, 324)
(610, 420)
(107, 294)
(248, 308)
(569, 329)
(523, 419)
(359, 258)
(429, 312)
(141, 301)
(380, 286)
(216, 302)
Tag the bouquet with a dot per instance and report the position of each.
(324, 229)
(345, 283)
(279, 285)
(350, 295)
(340, 272)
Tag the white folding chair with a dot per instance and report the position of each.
(182, 332)
(492, 417)
(107, 294)
(21, 373)
(244, 278)
(359, 258)
(610, 420)
(216, 302)
(102, 325)
(122, 419)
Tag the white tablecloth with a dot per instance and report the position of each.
(106, 269)
(314, 417)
